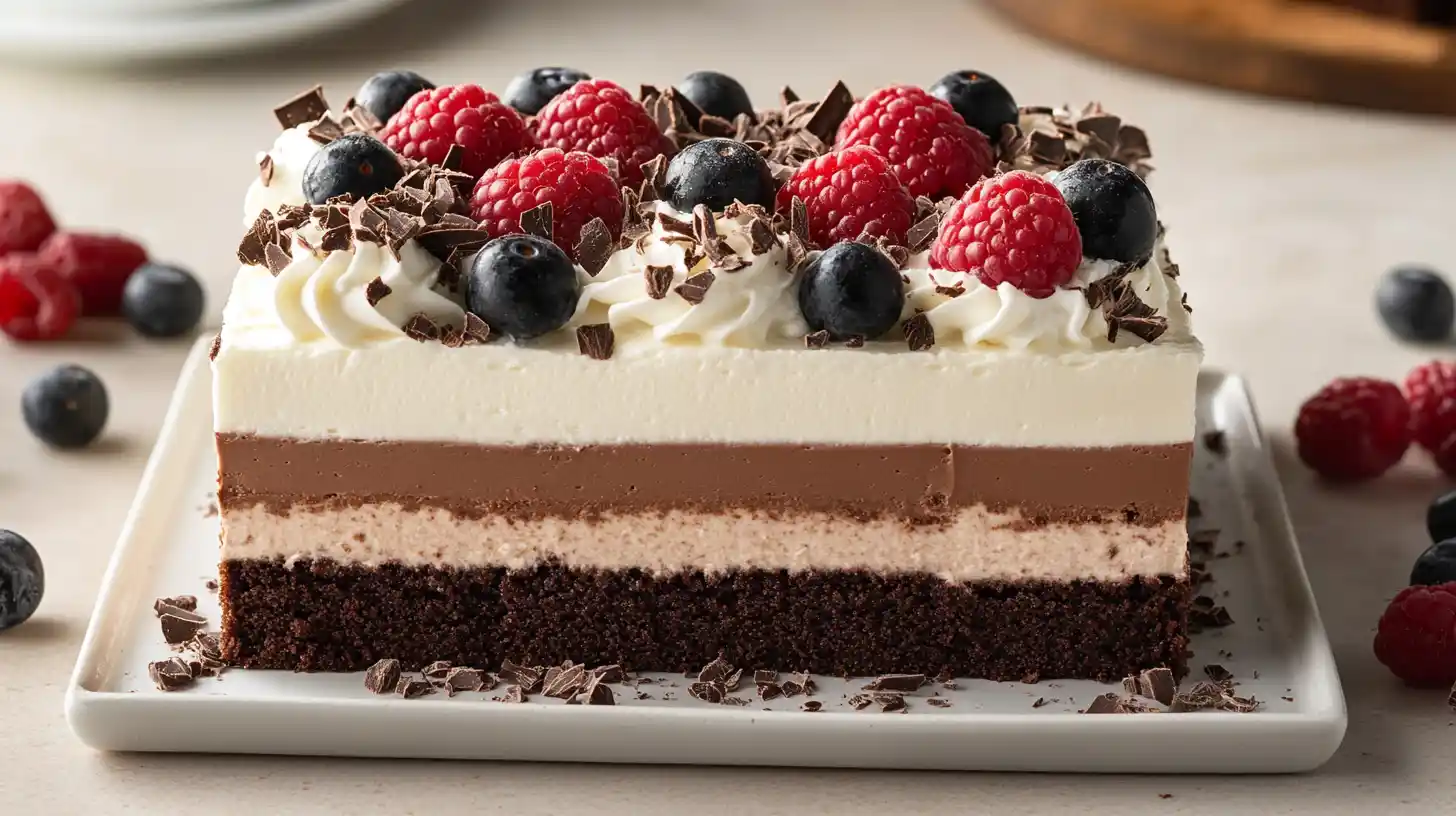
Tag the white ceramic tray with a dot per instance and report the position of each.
(168, 547)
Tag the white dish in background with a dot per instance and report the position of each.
(168, 547)
(168, 29)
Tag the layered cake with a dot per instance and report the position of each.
(902, 383)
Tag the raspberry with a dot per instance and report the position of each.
(578, 186)
(1431, 391)
(934, 152)
(36, 303)
(432, 120)
(1354, 428)
(1014, 228)
(600, 117)
(849, 192)
(97, 265)
(25, 222)
(1416, 638)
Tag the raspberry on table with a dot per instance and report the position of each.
(97, 265)
(934, 152)
(434, 119)
(25, 222)
(1353, 429)
(850, 192)
(600, 117)
(579, 187)
(1013, 228)
(1431, 391)
(1416, 638)
(36, 303)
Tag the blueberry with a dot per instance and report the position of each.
(523, 286)
(983, 102)
(716, 172)
(1416, 304)
(1437, 565)
(1113, 208)
(22, 580)
(65, 407)
(162, 301)
(852, 290)
(529, 92)
(1441, 517)
(386, 92)
(716, 94)
(358, 165)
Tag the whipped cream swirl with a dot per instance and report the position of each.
(753, 307)
(290, 155)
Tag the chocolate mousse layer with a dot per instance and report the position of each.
(1138, 484)
(318, 615)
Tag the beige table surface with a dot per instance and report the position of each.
(1282, 217)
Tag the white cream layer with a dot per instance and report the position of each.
(978, 546)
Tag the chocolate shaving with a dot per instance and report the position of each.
(938, 702)
(172, 674)
(180, 625)
(817, 340)
(715, 672)
(695, 288)
(896, 682)
(761, 236)
(891, 702)
(919, 334)
(1217, 673)
(798, 684)
(610, 674)
(676, 226)
(596, 340)
(1040, 702)
(306, 107)
(1156, 683)
(595, 247)
(765, 676)
(1124, 310)
(412, 688)
(799, 221)
(421, 328)
(654, 173)
(1053, 139)
(216, 347)
(463, 678)
(383, 676)
(596, 692)
(706, 691)
(325, 130)
(476, 331)
(265, 169)
(444, 240)
(187, 603)
(658, 279)
(537, 221)
(769, 691)
(860, 701)
(811, 706)
(951, 291)
(923, 233)
(453, 157)
(1105, 704)
(514, 694)
(376, 291)
(436, 670)
(832, 109)
(563, 682)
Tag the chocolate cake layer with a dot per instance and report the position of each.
(321, 616)
(1140, 484)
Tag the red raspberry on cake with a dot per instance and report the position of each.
(579, 187)
(600, 117)
(36, 303)
(850, 192)
(934, 152)
(25, 222)
(1013, 228)
(97, 265)
(432, 120)
(1431, 391)
(1416, 638)
(1353, 429)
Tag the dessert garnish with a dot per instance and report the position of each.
(22, 580)
(1113, 208)
(485, 129)
(982, 102)
(716, 94)
(907, 124)
(161, 300)
(600, 117)
(1013, 228)
(66, 407)
(355, 164)
(577, 187)
(385, 93)
(522, 286)
(715, 173)
(529, 92)
(1416, 304)
(383, 676)
(851, 290)
(848, 194)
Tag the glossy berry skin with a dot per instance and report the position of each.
(529, 92)
(357, 165)
(716, 94)
(1430, 388)
(97, 265)
(847, 193)
(1441, 518)
(983, 102)
(600, 117)
(1437, 565)
(1416, 304)
(1353, 429)
(386, 92)
(715, 173)
(22, 580)
(36, 302)
(65, 407)
(1013, 228)
(1113, 208)
(162, 301)
(934, 152)
(522, 286)
(25, 222)
(487, 130)
(578, 186)
(1416, 637)
(852, 290)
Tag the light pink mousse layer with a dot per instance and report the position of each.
(976, 545)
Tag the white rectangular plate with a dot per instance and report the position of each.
(1276, 649)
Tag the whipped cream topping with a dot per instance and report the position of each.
(290, 155)
(753, 307)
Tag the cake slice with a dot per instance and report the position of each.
(722, 431)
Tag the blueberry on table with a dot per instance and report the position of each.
(66, 407)
(717, 172)
(523, 286)
(716, 94)
(529, 92)
(357, 164)
(983, 102)
(162, 301)
(852, 290)
(1416, 304)
(386, 92)
(22, 580)
(1437, 565)
(1113, 208)
(1441, 517)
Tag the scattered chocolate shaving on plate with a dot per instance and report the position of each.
(798, 683)
(187, 603)
(1217, 673)
(376, 291)
(860, 701)
(706, 691)
(595, 692)
(596, 340)
(463, 678)
(658, 279)
(765, 676)
(211, 585)
(595, 247)
(383, 676)
(695, 288)
(896, 682)
(1040, 701)
(919, 334)
(890, 703)
(1104, 704)
(527, 677)
(1216, 442)
(537, 221)
(179, 625)
(811, 706)
(513, 694)
(436, 670)
(306, 107)
(610, 674)
(769, 690)
(411, 688)
(1157, 683)
(564, 681)
(938, 702)
(172, 674)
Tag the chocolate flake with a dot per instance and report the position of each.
(382, 677)
(938, 702)
(306, 107)
(187, 603)
(172, 674)
(654, 173)
(436, 670)
(951, 291)
(1217, 673)
(715, 672)
(527, 677)
(179, 625)
(596, 340)
(860, 701)
(832, 109)
(1104, 704)
(1124, 310)
(275, 259)
(376, 291)
(412, 688)
(476, 331)
(1156, 683)
(708, 692)
(562, 682)
(610, 674)
(1216, 442)
(453, 157)
(513, 694)
(896, 682)
(537, 221)
(800, 683)
(695, 288)
(891, 702)
(769, 691)
(1451, 698)
(596, 692)
(919, 334)
(421, 328)
(765, 676)
(325, 130)
(265, 169)
(658, 279)
(817, 340)
(1040, 701)
(595, 246)
(677, 226)
(811, 706)
(923, 233)
(463, 678)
